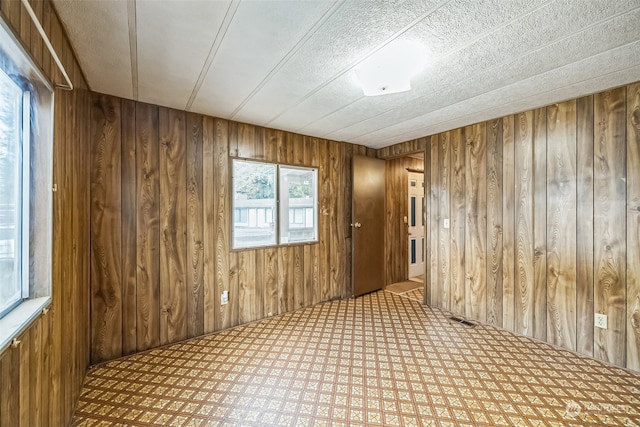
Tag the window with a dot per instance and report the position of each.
(26, 152)
(14, 193)
(273, 204)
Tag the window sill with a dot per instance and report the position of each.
(14, 323)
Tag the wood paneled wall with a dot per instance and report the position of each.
(160, 213)
(545, 222)
(41, 378)
(397, 208)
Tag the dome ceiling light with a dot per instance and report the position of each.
(390, 69)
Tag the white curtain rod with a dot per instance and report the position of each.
(35, 20)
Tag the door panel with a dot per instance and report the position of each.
(416, 224)
(368, 267)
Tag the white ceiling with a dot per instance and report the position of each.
(288, 64)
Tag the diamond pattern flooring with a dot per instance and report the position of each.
(381, 359)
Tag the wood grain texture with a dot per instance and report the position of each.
(106, 294)
(444, 238)
(324, 205)
(221, 220)
(458, 222)
(561, 224)
(494, 222)
(475, 245)
(269, 256)
(195, 232)
(524, 191)
(173, 225)
(209, 248)
(584, 243)
(435, 222)
(129, 231)
(428, 231)
(148, 227)
(509, 223)
(338, 273)
(41, 379)
(633, 227)
(540, 224)
(610, 223)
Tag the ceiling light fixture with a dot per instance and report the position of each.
(390, 69)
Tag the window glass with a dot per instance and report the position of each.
(11, 200)
(268, 197)
(298, 198)
(254, 194)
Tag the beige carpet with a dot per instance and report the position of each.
(378, 360)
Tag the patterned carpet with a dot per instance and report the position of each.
(381, 359)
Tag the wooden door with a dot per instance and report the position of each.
(368, 268)
(416, 224)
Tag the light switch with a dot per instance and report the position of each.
(446, 223)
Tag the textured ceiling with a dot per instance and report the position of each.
(289, 64)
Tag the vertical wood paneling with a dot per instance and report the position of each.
(610, 223)
(129, 231)
(324, 250)
(435, 221)
(561, 224)
(475, 266)
(633, 227)
(41, 378)
(540, 224)
(173, 224)
(584, 243)
(523, 286)
(311, 251)
(509, 223)
(337, 255)
(148, 227)
(221, 219)
(209, 246)
(106, 322)
(444, 269)
(457, 212)
(195, 234)
(269, 256)
(428, 231)
(494, 222)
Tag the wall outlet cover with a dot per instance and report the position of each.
(600, 321)
(224, 298)
(446, 223)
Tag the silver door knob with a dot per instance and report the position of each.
(356, 225)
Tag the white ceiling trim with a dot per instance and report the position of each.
(222, 31)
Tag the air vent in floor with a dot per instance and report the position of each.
(462, 321)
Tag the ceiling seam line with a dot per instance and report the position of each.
(457, 49)
(132, 21)
(532, 96)
(313, 30)
(217, 41)
(360, 59)
(496, 66)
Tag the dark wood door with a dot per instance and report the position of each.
(367, 225)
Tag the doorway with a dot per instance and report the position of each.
(415, 226)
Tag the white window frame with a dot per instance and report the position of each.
(276, 212)
(36, 187)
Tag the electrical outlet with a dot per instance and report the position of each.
(224, 298)
(446, 223)
(601, 321)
